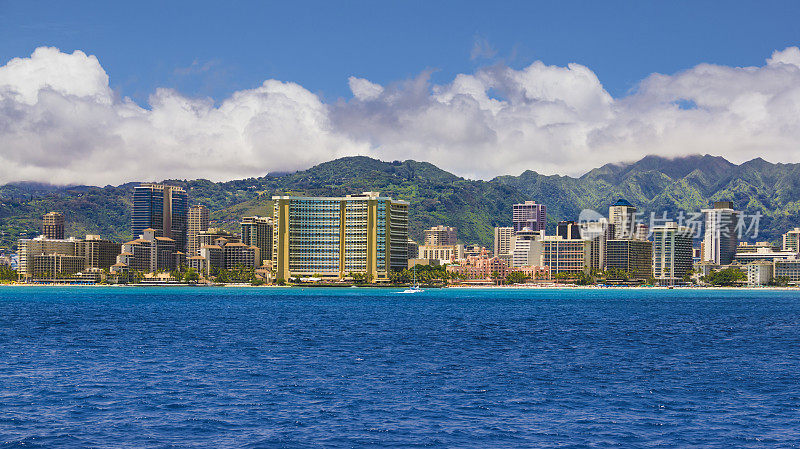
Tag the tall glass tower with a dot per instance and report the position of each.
(163, 208)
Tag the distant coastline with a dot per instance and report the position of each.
(398, 287)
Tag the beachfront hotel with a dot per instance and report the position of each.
(672, 253)
(720, 240)
(331, 237)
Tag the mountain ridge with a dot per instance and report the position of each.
(654, 184)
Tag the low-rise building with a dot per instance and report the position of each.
(759, 273)
(445, 253)
(480, 268)
(788, 269)
(754, 253)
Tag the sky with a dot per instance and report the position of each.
(110, 92)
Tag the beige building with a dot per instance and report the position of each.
(211, 235)
(98, 252)
(53, 225)
(721, 235)
(791, 240)
(569, 256)
(759, 273)
(29, 248)
(443, 253)
(70, 255)
(441, 236)
(622, 215)
(331, 237)
(197, 222)
(502, 241)
(672, 253)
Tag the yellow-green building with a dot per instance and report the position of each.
(331, 237)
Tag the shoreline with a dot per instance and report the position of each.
(388, 287)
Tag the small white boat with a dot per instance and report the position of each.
(415, 286)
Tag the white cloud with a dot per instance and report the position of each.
(60, 122)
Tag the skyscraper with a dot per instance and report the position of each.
(721, 239)
(53, 225)
(162, 208)
(597, 233)
(634, 257)
(332, 237)
(672, 252)
(622, 215)
(198, 222)
(529, 215)
(257, 231)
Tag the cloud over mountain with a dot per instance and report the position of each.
(61, 122)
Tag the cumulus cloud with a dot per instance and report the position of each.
(61, 122)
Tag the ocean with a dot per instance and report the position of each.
(269, 367)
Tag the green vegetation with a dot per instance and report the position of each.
(436, 196)
(516, 277)
(238, 274)
(725, 277)
(7, 274)
(780, 281)
(426, 274)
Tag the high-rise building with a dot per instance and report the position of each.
(634, 257)
(597, 233)
(413, 249)
(99, 253)
(28, 249)
(440, 236)
(332, 237)
(568, 230)
(672, 252)
(162, 208)
(530, 215)
(721, 238)
(502, 241)
(791, 240)
(526, 248)
(257, 231)
(93, 253)
(53, 225)
(198, 222)
(622, 215)
(569, 256)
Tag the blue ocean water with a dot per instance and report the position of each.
(254, 367)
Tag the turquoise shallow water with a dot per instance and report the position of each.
(217, 367)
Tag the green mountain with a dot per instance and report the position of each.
(653, 184)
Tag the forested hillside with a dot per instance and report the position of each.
(436, 196)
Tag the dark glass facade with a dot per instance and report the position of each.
(163, 208)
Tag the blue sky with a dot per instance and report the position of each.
(212, 49)
(103, 92)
